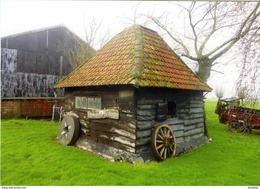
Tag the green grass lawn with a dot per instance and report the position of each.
(31, 156)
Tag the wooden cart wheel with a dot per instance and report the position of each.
(69, 130)
(163, 142)
(233, 126)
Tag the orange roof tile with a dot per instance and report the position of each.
(137, 56)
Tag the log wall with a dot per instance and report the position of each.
(187, 124)
(139, 112)
(118, 133)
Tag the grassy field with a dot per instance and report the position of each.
(31, 156)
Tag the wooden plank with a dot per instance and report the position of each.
(116, 145)
(143, 141)
(104, 125)
(103, 114)
(114, 129)
(194, 132)
(193, 121)
(151, 112)
(144, 133)
(119, 139)
(144, 125)
(190, 137)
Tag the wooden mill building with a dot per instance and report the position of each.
(134, 98)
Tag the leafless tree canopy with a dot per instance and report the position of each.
(202, 23)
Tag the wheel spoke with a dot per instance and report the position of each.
(160, 136)
(165, 132)
(168, 133)
(161, 152)
(168, 152)
(165, 153)
(158, 147)
(159, 141)
(161, 131)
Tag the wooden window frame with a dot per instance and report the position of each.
(85, 103)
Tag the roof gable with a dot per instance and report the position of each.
(136, 56)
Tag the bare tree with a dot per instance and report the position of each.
(232, 21)
(249, 78)
(95, 36)
(219, 92)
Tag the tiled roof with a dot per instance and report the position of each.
(137, 56)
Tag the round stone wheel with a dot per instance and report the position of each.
(163, 142)
(69, 130)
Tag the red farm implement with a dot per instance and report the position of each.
(238, 118)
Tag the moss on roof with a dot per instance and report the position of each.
(137, 56)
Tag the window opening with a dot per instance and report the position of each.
(171, 109)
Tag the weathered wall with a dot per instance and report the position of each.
(138, 115)
(40, 51)
(117, 133)
(187, 124)
(16, 83)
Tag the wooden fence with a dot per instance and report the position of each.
(17, 107)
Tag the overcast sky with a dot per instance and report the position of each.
(19, 16)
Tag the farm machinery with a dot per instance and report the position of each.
(238, 118)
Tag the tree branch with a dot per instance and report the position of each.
(158, 23)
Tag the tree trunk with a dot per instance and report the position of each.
(205, 65)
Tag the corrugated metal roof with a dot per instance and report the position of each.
(137, 56)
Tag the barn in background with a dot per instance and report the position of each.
(32, 62)
(134, 98)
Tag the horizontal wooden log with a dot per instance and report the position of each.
(190, 137)
(145, 118)
(179, 140)
(198, 105)
(177, 127)
(119, 139)
(116, 145)
(144, 125)
(194, 132)
(146, 112)
(143, 141)
(196, 110)
(196, 115)
(196, 100)
(174, 121)
(144, 133)
(84, 123)
(188, 122)
(190, 127)
(148, 101)
(146, 106)
(85, 131)
(144, 148)
(112, 127)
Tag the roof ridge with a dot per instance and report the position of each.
(138, 55)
